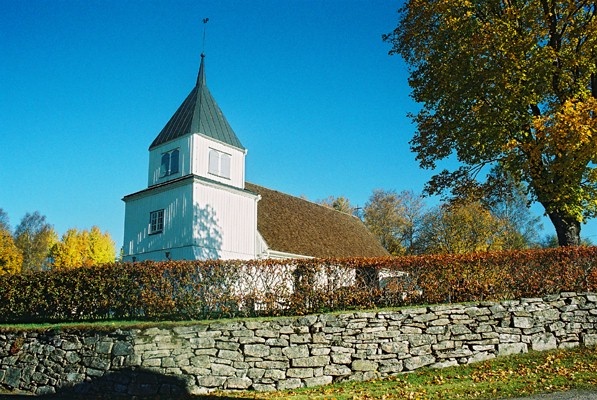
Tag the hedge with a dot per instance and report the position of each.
(186, 290)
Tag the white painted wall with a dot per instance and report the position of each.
(155, 160)
(200, 160)
(226, 217)
(202, 220)
(194, 159)
(177, 236)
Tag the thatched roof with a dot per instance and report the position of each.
(293, 225)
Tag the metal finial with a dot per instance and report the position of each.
(205, 21)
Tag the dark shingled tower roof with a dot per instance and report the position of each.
(199, 113)
(297, 226)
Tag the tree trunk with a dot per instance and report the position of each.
(567, 229)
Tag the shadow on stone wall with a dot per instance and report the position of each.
(123, 384)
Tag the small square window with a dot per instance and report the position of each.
(156, 221)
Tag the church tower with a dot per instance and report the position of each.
(195, 205)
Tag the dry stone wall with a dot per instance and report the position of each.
(284, 353)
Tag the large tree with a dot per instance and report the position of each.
(34, 237)
(11, 259)
(339, 204)
(512, 83)
(460, 228)
(83, 248)
(395, 218)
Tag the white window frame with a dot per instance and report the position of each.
(219, 163)
(156, 221)
(167, 164)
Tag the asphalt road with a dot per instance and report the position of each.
(569, 395)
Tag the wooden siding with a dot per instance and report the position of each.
(155, 160)
(226, 219)
(202, 220)
(177, 203)
(200, 160)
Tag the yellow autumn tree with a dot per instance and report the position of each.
(83, 248)
(461, 228)
(11, 259)
(512, 84)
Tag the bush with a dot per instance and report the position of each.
(185, 290)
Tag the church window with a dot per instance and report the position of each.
(219, 163)
(170, 163)
(156, 221)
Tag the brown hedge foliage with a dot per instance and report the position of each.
(185, 290)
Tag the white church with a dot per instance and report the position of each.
(197, 205)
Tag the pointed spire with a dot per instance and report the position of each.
(199, 113)
(201, 74)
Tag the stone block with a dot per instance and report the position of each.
(522, 322)
(336, 370)
(421, 350)
(238, 383)
(313, 361)
(444, 364)
(508, 338)
(300, 372)
(250, 340)
(45, 390)
(255, 373)
(418, 362)
(341, 358)
(481, 356)
(318, 381)
(444, 345)
(256, 350)
(390, 366)
(12, 377)
(292, 352)
(589, 339)
(202, 342)
(302, 338)
(420, 340)
(267, 333)
(286, 384)
(211, 381)
(71, 345)
(272, 364)
(275, 374)
(506, 349)
(104, 347)
(394, 347)
(122, 349)
(232, 355)
(364, 365)
(230, 346)
(277, 342)
(542, 342)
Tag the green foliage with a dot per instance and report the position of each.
(512, 84)
(186, 290)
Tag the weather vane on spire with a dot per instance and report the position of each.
(205, 21)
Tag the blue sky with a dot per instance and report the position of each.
(307, 85)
